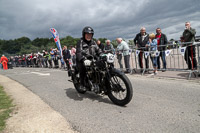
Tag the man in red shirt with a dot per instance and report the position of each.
(162, 44)
(4, 62)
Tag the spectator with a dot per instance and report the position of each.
(119, 57)
(1, 66)
(20, 60)
(124, 48)
(9, 63)
(101, 46)
(52, 54)
(4, 61)
(40, 59)
(23, 61)
(153, 48)
(189, 36)
(45, 58)
(26, 59)
(29, 60)
(49, 57)
(66, 56)
(16, 61)
(162, 44)
(140, 41)
(56, 56)
(109, 47)
(12, 60)
(73, 54)
(34, 60)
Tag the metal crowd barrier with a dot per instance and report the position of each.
(175, 60)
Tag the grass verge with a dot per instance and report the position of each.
(6, 107)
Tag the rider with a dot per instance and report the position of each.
(85, 46)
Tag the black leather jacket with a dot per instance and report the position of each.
(189, 35)
(86, 47)
(66, 54)
(163, 41)
(101, 46)
(138, 40)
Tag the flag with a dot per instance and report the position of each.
(167, 52)
(57, 41)
(157, 53)
(137, 53)
(182, 50)
(146, 54)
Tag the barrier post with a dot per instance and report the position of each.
(198, 53)
(131, 58)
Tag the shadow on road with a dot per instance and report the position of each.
(186, 75)
(73, 94)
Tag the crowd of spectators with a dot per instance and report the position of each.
(45, 59)
(143, 41)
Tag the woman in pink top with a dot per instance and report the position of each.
(73, 54)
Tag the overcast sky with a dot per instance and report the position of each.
(109, 18)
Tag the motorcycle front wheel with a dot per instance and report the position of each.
(120, 89)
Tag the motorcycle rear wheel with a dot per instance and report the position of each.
(76, 82)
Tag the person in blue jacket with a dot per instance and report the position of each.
(153, 48)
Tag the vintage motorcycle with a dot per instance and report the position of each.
(103, 78)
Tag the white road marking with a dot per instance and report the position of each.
(41, 74)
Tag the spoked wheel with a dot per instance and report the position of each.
(76, 82)
(120, 91)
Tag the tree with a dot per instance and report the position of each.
(69, 41)
(10, 46)
(114, 43)
(131, 43)
(103, 40)
(24, 45)
(23, 40)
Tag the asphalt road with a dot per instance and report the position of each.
(158, 105)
